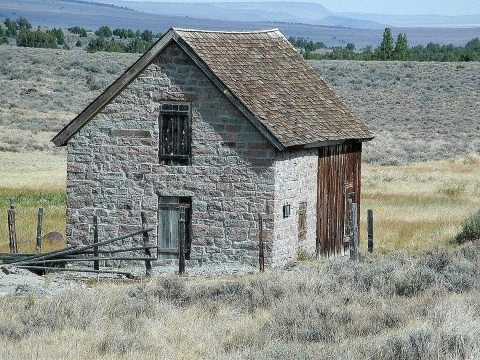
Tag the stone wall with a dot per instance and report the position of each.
(113, 166)
(296, 182)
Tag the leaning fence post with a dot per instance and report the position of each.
(370, 230)
(148, 264)
(12, 235)
(96, 263)
(181, 241)
(353, 230)
(38, 247)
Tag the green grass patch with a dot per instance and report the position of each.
(27, 203)
(32, 197)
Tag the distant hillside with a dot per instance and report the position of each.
(418, 110)
(288, 12)
(417, 20)
(293, 12)
(338, 31)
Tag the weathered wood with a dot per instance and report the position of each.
(7, 258)
(181, 241)
(339, 178)
(96, 263)
(12, 234)
(49, 255)
(77, 249)
(38, 246)
(168, 222)
(148, 264)
(261, 244)
(353, 231)
(127, 274)
(112, 251)
(173, 205)
(370, 230)
(89, 258)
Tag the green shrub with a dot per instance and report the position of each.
(59, 35)
(78, 30)
(104, 31)
(471, 229)
(37, 39)
(124, 33)
(101, 44)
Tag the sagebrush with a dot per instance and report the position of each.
(389, 307)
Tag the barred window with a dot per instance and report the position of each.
(175, 134)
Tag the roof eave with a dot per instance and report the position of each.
(323, 143)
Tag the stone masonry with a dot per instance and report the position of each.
(233, 127)
(113, 167)
(295, 182)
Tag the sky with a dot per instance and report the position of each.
(395, 7)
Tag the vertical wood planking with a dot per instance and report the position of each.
(338, 165)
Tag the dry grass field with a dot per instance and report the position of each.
(416, 298)
(418, 111)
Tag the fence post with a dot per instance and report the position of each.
(38, 247)
(96, 263)
(181, 241)
(146, 242)
(12, 235)
(353, 230)
(261, 245)
(370, 230)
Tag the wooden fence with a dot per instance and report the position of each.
(56, 260)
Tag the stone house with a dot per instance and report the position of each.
(234, 127)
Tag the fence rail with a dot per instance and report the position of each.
(57, 259)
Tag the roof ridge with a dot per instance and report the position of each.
(227, 31)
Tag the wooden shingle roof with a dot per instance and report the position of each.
(264, 76)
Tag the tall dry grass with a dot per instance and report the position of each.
(419, 205)
(388, 307)
(34, 180)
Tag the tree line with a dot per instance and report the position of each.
(389, 50)
(118, 40)
(127, 40)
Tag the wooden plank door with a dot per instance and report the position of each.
(168, 226)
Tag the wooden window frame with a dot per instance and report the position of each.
(175, 135)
